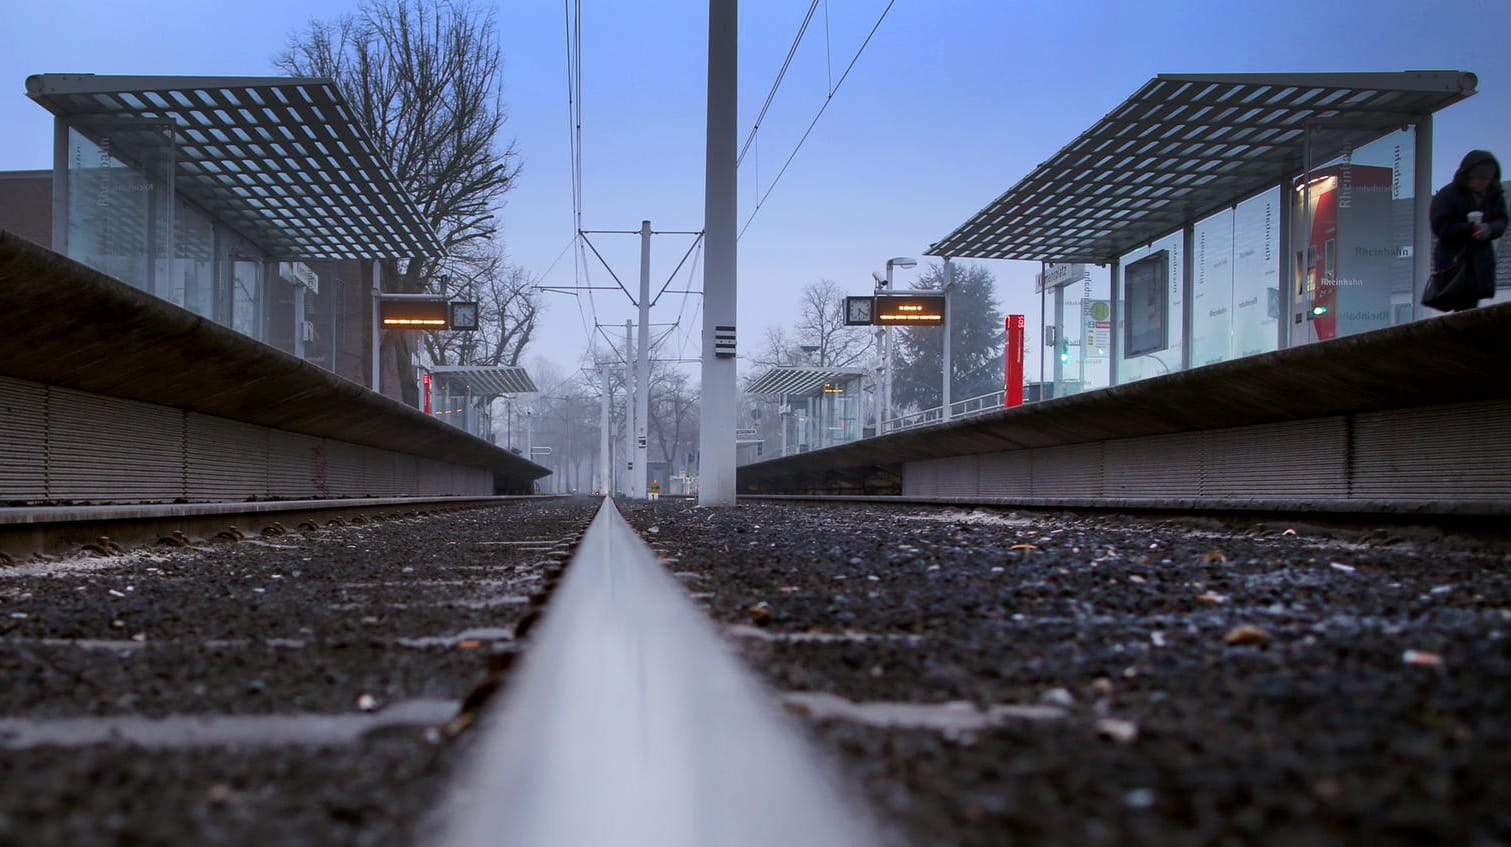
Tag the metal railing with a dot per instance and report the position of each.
(969, 407)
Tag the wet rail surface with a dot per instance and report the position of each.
(982, 676)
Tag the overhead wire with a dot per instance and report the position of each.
(771, 95)
(827, 100)
(572, 10)
(673, 274)
(682, 308)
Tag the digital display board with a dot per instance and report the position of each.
(910, 309)
(414, 314)
(1146, 305)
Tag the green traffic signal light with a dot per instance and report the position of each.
(1319, 310)
(1065, 349)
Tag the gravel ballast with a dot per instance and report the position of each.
(284, 689)
(984, 677)
(1098, 679)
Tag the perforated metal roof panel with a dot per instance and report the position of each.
(1184, 146)
(799, 381)
(487, 381)
(280, 158)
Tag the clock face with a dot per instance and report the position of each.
(858, 311)
(464, 316)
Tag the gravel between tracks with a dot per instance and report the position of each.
(1159, 682)
(335, 625)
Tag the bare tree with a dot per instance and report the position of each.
(673, 418)
(821, 327)
(422, 79)
(821, 324)
(779, 350)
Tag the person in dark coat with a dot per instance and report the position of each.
(1476, 188)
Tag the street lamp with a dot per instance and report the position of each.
(886, 354)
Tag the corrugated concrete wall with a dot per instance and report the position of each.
(1457, 455)
(124, 370)
(60, 445)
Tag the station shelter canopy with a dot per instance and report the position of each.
(483, 380)
(281, 159)
(1186, 145)
(800, 381)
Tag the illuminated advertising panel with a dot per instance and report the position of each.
(1146, 305)
(1343, 283)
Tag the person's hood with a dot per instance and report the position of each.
(1472, 160)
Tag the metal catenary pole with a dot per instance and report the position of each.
(643, 367)
(605, 469)
(627, 485)
(716, 483)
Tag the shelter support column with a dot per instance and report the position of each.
(60, 186)
(1285, 274)
(1421, 250)
(377, 294)
(1115, 301)
(1187, 293)
(1056, 362)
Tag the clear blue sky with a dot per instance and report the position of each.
(951, 103)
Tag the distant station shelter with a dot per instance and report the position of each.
(1237, 214)
(463, 395)
(817, 407)
(256, 202)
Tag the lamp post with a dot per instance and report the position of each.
(949, 282)
(886, 391)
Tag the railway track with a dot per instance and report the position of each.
(971, 675)
(58, 530)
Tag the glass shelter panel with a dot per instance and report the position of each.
(1256, 274)
(1235, 289)
(1077, 347)
(247, 296)
(192, 283)
(1212, 290)
(1351, 258)
(120, 212)
(1150, 309)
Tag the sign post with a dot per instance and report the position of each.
(1012, 377)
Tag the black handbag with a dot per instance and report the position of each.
(1450, 288)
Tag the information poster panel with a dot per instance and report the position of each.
(1146, 295)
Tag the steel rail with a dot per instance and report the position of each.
(630, 722)
(52, 530)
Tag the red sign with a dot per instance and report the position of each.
(1012, 363)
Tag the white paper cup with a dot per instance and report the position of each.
(1476, 217)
